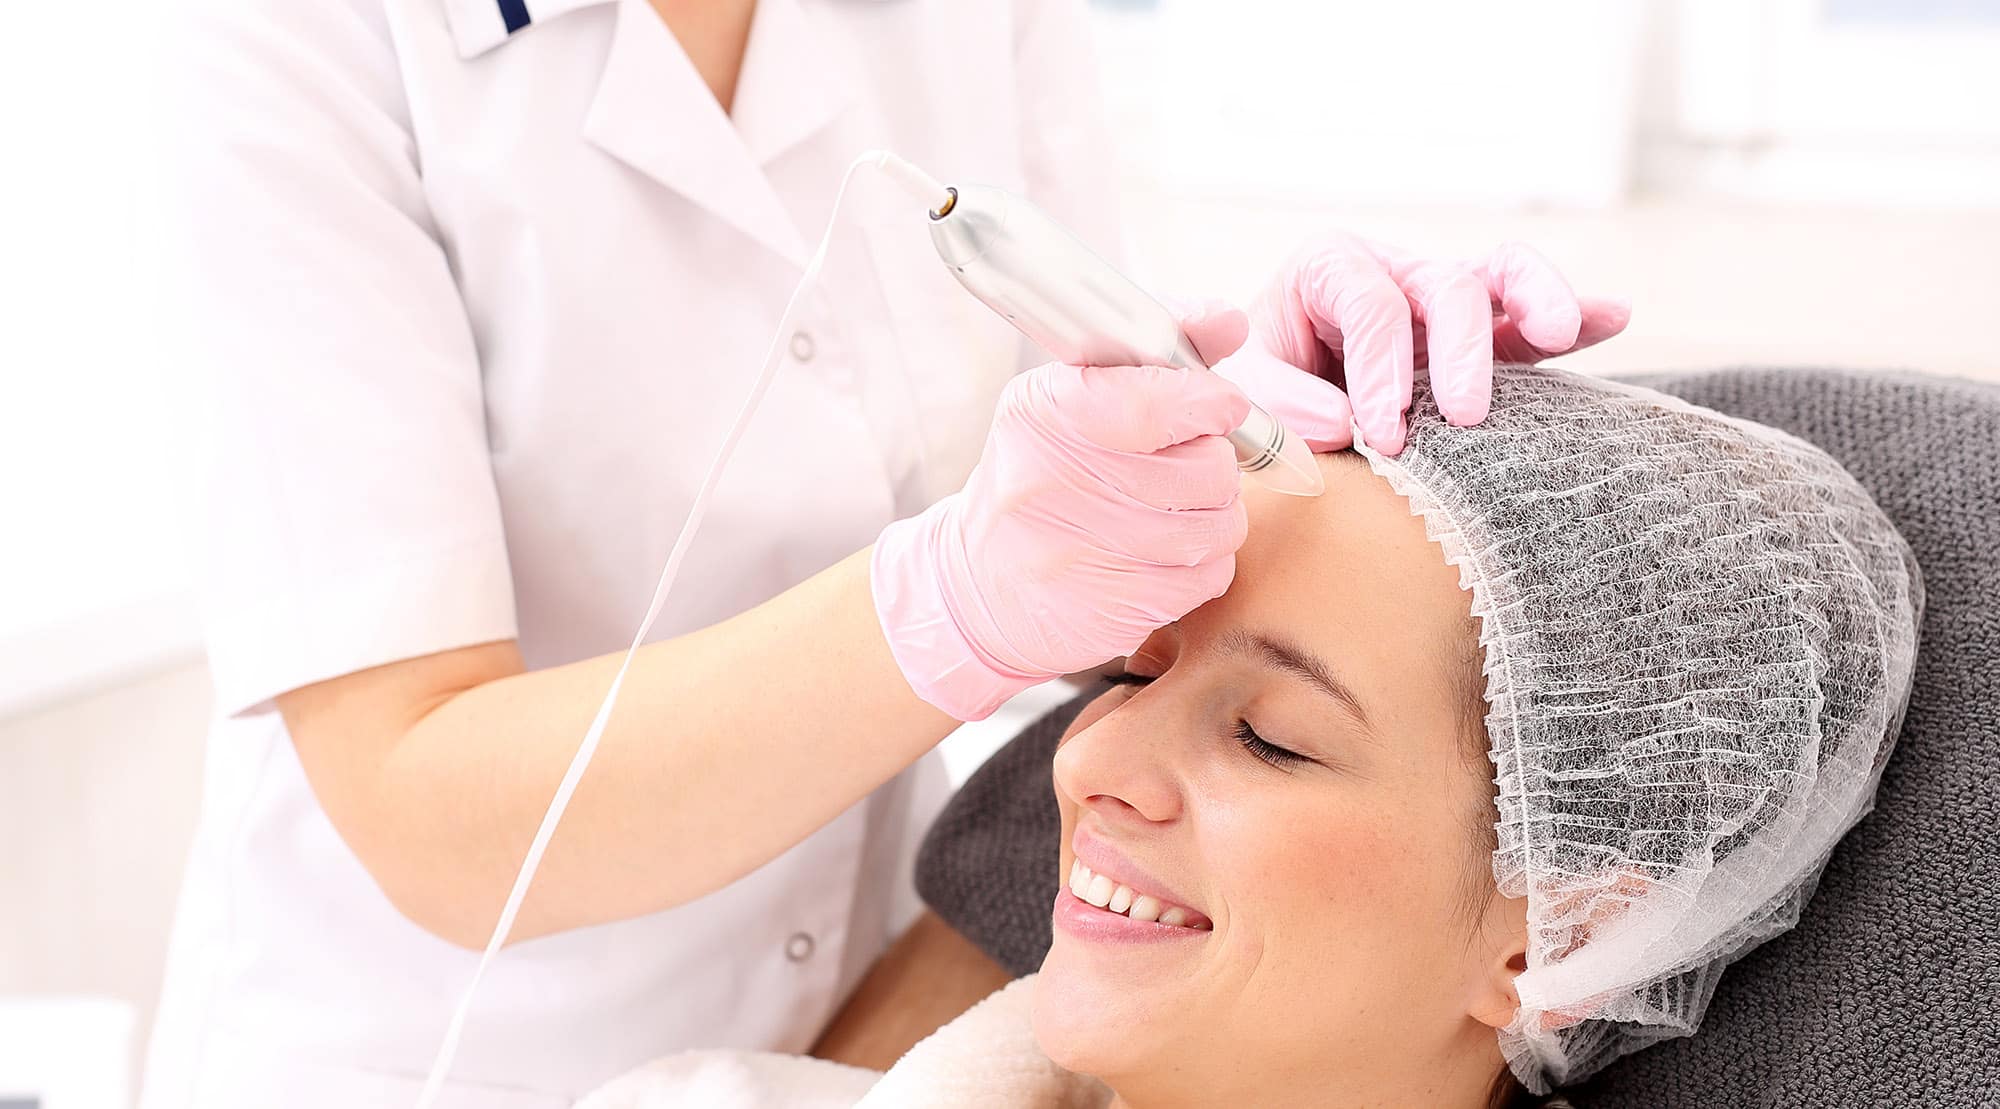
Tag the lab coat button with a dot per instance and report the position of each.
(802, 346)
(800, 947)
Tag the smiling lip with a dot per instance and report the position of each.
(1077, 917)
(1102, 859)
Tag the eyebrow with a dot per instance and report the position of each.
(1283, 654)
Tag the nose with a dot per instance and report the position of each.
(1122, 766)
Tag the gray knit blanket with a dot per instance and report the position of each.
(1888, 991)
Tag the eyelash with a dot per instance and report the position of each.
(1260, 748)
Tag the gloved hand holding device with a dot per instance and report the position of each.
(1104, 506)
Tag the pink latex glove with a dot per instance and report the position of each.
(1104, 506)
(1363, 316)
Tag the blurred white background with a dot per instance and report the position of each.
(1770, 181)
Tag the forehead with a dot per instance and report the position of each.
(1349, 575)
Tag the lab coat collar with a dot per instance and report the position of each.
(480, 25)
(653, 112)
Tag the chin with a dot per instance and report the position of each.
(1085, 1024)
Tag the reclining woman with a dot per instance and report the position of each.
(1486, 765)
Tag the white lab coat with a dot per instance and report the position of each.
(480, 305)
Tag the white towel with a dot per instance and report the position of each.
(986, 1059)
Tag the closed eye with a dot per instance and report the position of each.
(1264, 750)
(1281, 757)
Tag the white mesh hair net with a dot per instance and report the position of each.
(1698, 634)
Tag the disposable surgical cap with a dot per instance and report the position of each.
(1698, 634)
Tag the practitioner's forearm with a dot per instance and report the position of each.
(728, 746)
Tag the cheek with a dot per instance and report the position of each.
(1287, 861)
(1348, 896)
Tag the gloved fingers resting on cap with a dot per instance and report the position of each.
(1367, 317)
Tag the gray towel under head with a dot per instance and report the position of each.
(1888, 991)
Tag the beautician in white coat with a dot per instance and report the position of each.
(482, 282)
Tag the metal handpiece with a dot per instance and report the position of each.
(1073, 304)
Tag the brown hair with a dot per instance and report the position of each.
(1464, 661)
(1508, 1093)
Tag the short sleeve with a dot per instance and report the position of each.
(353, 519)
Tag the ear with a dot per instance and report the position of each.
(1506, 928)
(1500, 953)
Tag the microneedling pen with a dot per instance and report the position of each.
(1038, 276)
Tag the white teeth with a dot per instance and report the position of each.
(1101, 891)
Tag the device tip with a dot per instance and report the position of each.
(1294, 471)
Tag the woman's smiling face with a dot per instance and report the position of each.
(1289, 783)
